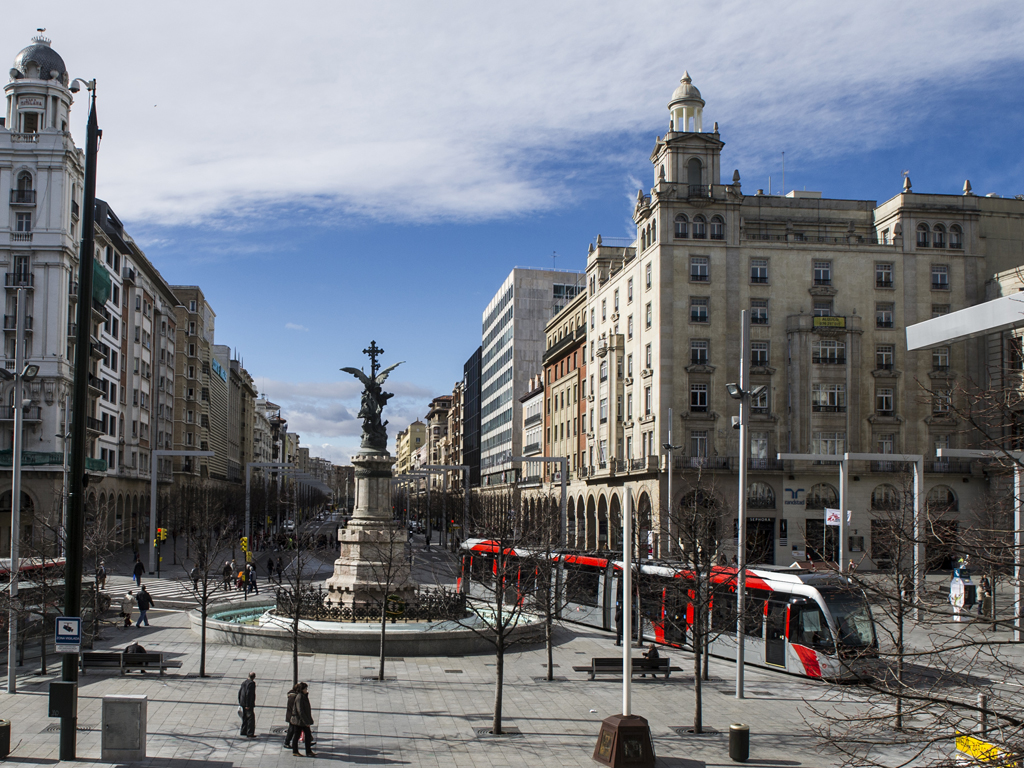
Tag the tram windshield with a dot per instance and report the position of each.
(852, 617)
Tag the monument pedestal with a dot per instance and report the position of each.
(625, 740)
(373, 546)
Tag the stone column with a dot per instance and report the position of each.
(372, 559)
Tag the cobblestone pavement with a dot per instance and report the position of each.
(426, 715)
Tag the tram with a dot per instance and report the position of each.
(51, 568)
(806, 623)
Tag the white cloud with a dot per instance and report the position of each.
(451, 110)
(296, 327)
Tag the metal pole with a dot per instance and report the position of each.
(444, 511)
(1016, 552)
(465, 505)
(844, 479)
(918, 540)
(627, 603)
(668, 525)
(152, 518)
(19, 366)
(79, 439)
(64, 479)
(741, 500)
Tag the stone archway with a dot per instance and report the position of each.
(615, 523)
(570, 522)
(602, 522)
(591, 525)
(644, 532)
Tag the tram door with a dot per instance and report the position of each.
(775, 632)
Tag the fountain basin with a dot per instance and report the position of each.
(254, 626)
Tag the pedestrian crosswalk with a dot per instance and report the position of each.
(170, 590)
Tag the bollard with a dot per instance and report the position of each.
(739, 742)
(5, 739)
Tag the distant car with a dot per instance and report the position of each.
(288, 525)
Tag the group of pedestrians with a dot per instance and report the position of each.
(298, 714)
(143, 601)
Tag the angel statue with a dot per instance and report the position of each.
(375, 436)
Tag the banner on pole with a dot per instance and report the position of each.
(833, 516)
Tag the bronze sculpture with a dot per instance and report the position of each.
(375, 434)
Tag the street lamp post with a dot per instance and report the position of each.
(22, 373)
(670, 448)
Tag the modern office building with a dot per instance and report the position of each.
(471, 416)
(512, 351)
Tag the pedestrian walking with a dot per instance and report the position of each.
(985, 603)
(226, 574)
(270, 569)
(302, 718)
(194, 575)
(247, 703)
(292, 736)
(145, 602)
(127, 604)
(137, 572)
(251, 580)
(280, 570)
(618, 623)
(101, 576)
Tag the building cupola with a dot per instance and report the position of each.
(686, 107)
(39, 62)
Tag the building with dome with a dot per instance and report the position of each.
(831, 285)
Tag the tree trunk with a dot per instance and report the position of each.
(899, 655)
(698, 638)
(383, 633)
(202, 632)
(499, 676)
(549, 632)
(295, 641)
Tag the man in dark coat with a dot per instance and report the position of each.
(137, 572)
(247, 701)
(145, 602)
(302, 719)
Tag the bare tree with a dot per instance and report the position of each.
(295, 595)
(390, 569)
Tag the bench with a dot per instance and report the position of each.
(126, 661)
(613, 666)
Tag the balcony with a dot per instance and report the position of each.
(698, 278)
(11, 322)
(699, 191)
(823, 281)
(23, 196)
(702, 462)
(644, 464)
(883, 283)
(828, 359)
(760, 503)
(759, 319)
(73, 291)
(529, 450)
(948, 467)
(30, 413)
(98, 349)
(883, 366)
(531, 420)
(883, 324)
(937, 285)
(128, 275)
(74, 209)
(697, 317)
(698, 360)
(764, 465)
(698, 409)
(21, 237)
(828, 409)
(95, 382)
(759, 410)
(19, 280)
(72, 331)
(94, 425)
(891, 467)
(759, 279)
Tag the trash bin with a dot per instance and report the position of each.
(739, 742)
(5, 739)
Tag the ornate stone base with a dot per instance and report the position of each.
(372, 562)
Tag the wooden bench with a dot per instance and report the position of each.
(126, 661)
(613, 666)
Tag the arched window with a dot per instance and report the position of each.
(717, 228)
(821, 496)
(942, 499)
(643, 239)
(694, 175)
(956, 237)
(682, 226)
(885, 498)
(700, 227)
(939, 236)
(24, 181)
(24, 193)
(760, 496)
(654, 230)
(922, 236)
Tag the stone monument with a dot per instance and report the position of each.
(372, 553)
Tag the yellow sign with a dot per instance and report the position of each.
(982, 751)
(830, 322)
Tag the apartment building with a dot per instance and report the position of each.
(407, 441)
(829, 285)
(512, 351)
(193, 372)
(471, 416)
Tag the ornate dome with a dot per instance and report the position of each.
(40, 62)
(685, 92)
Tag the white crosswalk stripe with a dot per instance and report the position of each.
(166, 589)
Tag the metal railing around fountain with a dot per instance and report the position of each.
(425, 605)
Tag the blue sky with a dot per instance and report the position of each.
(348, 171)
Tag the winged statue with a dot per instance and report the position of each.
(375, 435)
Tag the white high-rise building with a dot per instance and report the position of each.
(513, 351)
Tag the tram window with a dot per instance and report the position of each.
(581, 584)
(754, 610)
(723, 610)
(651, 597)
(482, 569)
(807, 626)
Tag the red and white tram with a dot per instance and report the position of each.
(806, 623)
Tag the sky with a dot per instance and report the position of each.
(335, 172)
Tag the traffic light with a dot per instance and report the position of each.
(161, 534)
(245, 543)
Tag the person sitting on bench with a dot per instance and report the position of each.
(651, 654)
(136, 648)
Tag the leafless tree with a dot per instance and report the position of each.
(389, 566)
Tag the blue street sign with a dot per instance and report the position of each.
(68, 637)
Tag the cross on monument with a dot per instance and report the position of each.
(373, 351)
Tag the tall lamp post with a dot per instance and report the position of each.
(670, 448)
(79, 435)
(21, 374)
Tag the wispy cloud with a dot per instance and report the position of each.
(296, 327)
(454, 111)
